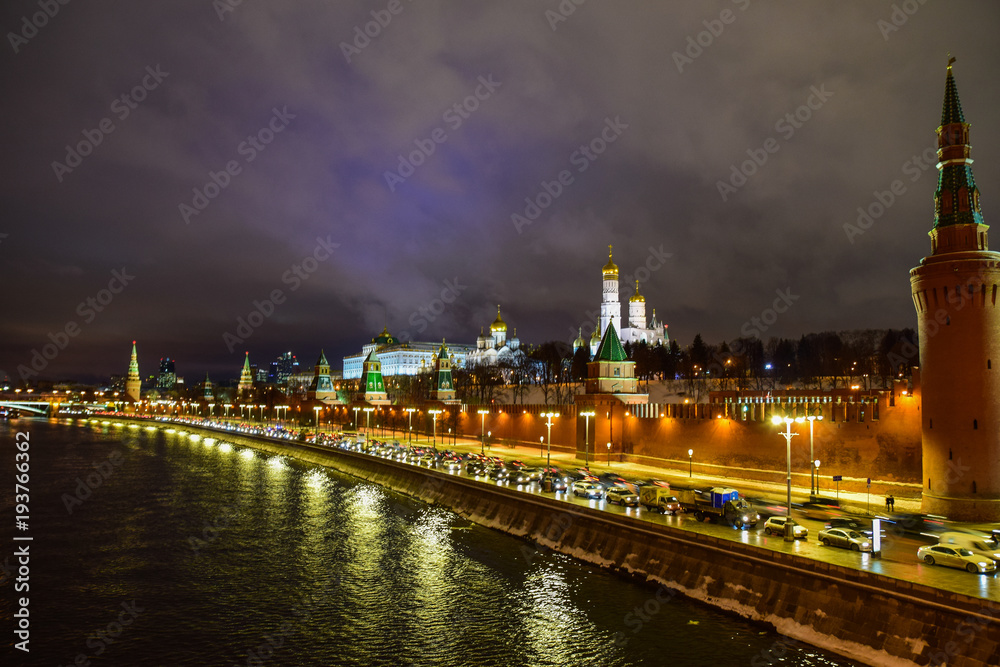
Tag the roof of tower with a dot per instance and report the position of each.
(579, 342)
(246, 361)
(951, 111)
(498, 323)
(385, 338)
(611, 347)
(610, 269)
(637, 298)
(322, 359)
(443, 352)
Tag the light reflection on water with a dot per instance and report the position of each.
(359, 574)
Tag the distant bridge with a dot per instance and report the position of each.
(36, 407)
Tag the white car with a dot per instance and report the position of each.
(846, 538)
(588, 489)
(960, 557)
(775, 525)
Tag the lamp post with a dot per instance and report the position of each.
(368, 421)
(586, 435)
(690, 461)
(813, 480)
(356, 418)
(609, 454)
(816, 469)
(548, 424)
(227, 406)
(482, 431)
(788, 435)
(410, 412)
(434, 414)
(316, 410)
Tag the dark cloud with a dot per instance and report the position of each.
(551, 91)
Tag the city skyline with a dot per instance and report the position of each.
(361, 177)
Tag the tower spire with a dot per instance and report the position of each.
(956, 200)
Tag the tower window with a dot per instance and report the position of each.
(975, 424)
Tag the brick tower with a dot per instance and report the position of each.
(955, 294)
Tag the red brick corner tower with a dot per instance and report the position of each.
(955, 293)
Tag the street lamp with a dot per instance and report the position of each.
(435, 414)
(548, 424)
(410, 411)
(816, 464)
(690, 459)
(482, 431)
(813, 480)
(227, 406)
(788, 435)
(356, 419)
(368, 420)
(609, 453)
(316, 410)
(586, 435)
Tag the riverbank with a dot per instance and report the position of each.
(867, 617)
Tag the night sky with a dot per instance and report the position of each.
(255, 138)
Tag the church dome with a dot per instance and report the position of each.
(579, 342)
(596, 335)
(610, 269)
(637, 298)
(385, 338)
(498, 323)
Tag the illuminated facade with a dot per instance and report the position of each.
(638, 329)
(399, 358)
(955, 295)
(495, 348)
(246, 378)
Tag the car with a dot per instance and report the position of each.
(557, 482)
(821, 510)
(925, 527)
(474, 467)
(610, 479)
(978, 543)
(588, 489)
(498, 473)
(960, 557)
(519, 476)
(621, 496)
(846, 538)
(428, 460)
(775, 525)
(534, 474)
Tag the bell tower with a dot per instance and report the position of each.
(611, 307)
(954, 292)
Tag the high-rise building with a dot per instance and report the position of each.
(133, 384)
(955, 294)
(167, 377)
(282, 368)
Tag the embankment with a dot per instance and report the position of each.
(867, 617)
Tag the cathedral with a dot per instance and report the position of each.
(495, 348)
(638, 329)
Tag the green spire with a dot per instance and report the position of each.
(952, 109)
(611, 347)
(246, 362)
(322, 359)
(956, 200)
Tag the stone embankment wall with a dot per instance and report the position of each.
(867, 617)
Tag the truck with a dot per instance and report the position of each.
(660, 499)
(720, 504)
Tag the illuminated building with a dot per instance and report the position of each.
(399, 358)
(246, 378)
(955, 294)
(611, 313)
(133, 384)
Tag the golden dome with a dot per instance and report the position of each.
(610, 269)
(597, 333)
(579, 342)
(498, 323)
(637, 298)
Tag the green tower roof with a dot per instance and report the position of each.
(322, 359)
(952, 109)
(611, 347)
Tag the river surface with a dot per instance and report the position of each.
(157, 548)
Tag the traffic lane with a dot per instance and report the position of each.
(898, 560)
